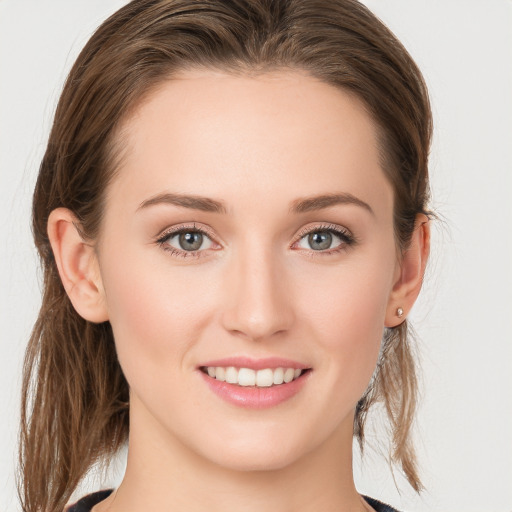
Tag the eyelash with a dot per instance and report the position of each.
(177, 230)
(346, 237)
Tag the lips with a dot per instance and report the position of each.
(256, 364)
(254, 383)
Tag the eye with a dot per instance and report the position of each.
(186, 241)
(189, 241)
(325, 239)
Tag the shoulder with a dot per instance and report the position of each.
(87, 502)
(378, 506)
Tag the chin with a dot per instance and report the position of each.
(250, 456)
(273, 462)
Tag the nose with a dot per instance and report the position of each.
(258, 305)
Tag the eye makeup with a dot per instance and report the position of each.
(190, 233)
(345, 237)
(181, 231)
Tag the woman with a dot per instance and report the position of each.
(232, 217)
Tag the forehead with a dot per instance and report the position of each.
(211, 133)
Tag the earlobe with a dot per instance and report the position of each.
(78, 266)
(410, 274)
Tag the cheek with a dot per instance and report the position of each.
(156, 312)
(347, 316)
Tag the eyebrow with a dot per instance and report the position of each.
(204, 204)
(320, 202)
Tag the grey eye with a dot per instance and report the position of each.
(189, 241)
(320, 240)
(323, 240)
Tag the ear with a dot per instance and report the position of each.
(409, 274)
(78, 266)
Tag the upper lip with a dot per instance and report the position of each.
(255, 364)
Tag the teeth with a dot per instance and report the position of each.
(249, 377)
(264, 378)
(288, 374)
(232, 375)
(246, 377)
(278, 376)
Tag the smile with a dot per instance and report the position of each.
(264, 378)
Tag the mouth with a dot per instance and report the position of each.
(249, 377)
(255, 383)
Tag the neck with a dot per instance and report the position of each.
(165, 475)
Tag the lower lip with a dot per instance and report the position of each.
(252, 397)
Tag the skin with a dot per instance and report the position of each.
(255, 288)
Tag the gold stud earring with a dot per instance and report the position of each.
(399, 312)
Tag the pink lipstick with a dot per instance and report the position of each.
(254, 383)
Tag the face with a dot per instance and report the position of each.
(249, 226)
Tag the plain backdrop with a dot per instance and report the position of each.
(464, 315)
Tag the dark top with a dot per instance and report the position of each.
(87, 502)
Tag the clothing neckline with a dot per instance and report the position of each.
(86, 503)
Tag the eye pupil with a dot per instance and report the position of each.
(320, 240)
(190, 240)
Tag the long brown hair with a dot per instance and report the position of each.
(75, 398)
